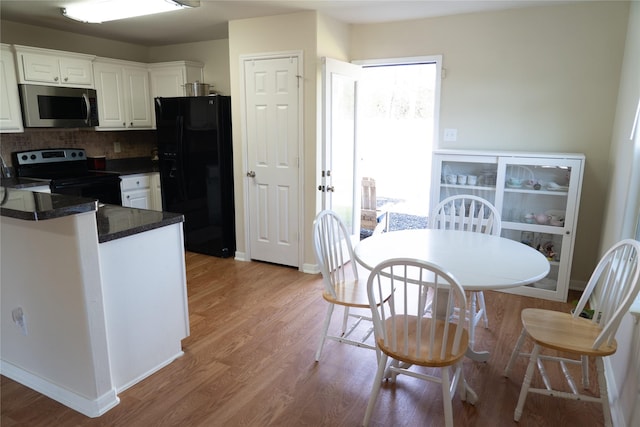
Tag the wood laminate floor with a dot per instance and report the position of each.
(250, 362)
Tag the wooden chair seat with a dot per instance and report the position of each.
(565, 332)
(430, 352)
(351, 293)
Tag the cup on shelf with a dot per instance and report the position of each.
(462, 179)
(451, 178)
(472, 180)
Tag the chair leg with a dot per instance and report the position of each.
(585, 371)
(345, 320)
(483, 307)
(375, 389)
(325, 329)
(446, 397)
(528, 376)
(515, 353)
(604, 394)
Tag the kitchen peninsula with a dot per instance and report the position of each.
(93, 298)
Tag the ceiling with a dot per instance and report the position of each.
(210, 20)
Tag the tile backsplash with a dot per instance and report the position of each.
(133, 143)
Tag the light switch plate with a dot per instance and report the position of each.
(451, 135)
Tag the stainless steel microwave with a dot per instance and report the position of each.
(58, 107)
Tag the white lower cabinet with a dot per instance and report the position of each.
(537, 195)
(141, 191)
(136, 191)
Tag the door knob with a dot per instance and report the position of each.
(251, 174)
(330, 188)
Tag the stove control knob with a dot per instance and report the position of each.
(73, 154)
(24, 157)
(80, 154)
(33, 157)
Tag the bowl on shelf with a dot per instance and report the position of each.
(514, 182)
(556, 217)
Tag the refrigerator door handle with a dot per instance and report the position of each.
(181, 154)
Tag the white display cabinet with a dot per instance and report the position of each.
(537, 195)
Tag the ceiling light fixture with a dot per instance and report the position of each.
(96, 12)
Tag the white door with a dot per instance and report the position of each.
(339, 181)
(272, 111)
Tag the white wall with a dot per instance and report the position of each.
(214, 54)
(620, 213)
(267, 35)
(543, 78)
(29, 35)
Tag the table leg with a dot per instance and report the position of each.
(441, 312)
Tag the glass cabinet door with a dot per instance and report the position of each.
(475, 175)
(538, 207)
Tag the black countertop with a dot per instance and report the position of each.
(114, 222)
(23, 183)
(131, 165)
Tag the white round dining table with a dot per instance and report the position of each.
(479, 262)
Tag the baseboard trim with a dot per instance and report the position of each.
(90, 408)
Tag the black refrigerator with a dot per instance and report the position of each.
(196, 170)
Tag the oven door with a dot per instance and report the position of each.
(105, 190)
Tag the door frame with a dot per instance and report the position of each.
(245, 58)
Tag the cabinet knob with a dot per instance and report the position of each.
(55, 79)
(128, 196)
(137, 182)
(131, 124)
(66, 79)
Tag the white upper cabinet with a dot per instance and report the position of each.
(54, 67)
(168, 79)
(124, 97)
(10, 115)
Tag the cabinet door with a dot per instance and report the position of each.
(167, 82)
(110, 91)
(464, 174)
(10, 115)
(77, 72)
(539, 208)
(138, 97)
(40, 68)
(140, 199)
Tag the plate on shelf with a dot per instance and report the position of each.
(513, 185)
(557, 187)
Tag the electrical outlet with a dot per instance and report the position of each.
(19, 319)
(116, 147)
(450, 135)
